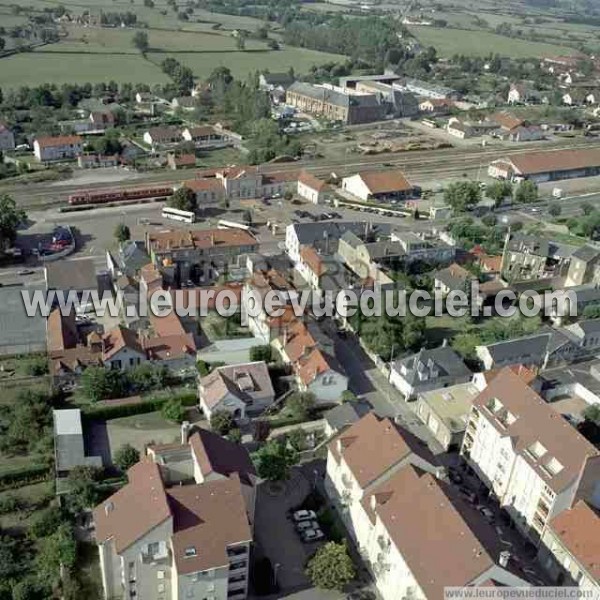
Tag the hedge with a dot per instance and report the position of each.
(106, 413)
(25, 475)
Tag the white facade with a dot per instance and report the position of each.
(311, 194)
(61, 150)
(356, 186)
(124, 359)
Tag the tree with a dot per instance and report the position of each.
(147, 377)
(498, 191)
(554, 209)
(10, 219)
(235, 436)
(126, 456)
(331, 567)
(221, 422)
(586, 208)
(45, 523)
(263, 352)
(240, 40)
(275, 459)
(2, 43)
(300, 404)
(592, 413)
(525, 192)
(173, 410)
(55, 551)
(184, 199)
(99, 383)
(348, 396)
(297, 439)
(83, 488)
(140, 41)
(122, 232)
(462, 195)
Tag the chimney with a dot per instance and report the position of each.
(185, 431)
(504, 558)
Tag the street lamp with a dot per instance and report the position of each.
(275, 570)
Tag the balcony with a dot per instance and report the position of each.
(543, 509)
(236, 594)
(238, 568)
(238, 552)
(236, 586)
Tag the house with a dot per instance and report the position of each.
(346, 414)
(324, 235)
(122, 349)
(397, 102)
(320, 271)
(176, 352)
(459, 129)
(311, 188)
(69, 451)
(7, 137)
(185, 103)
(161, 137)
(242, 390)
(174, 542)
(179, 253)
(534, 462)
(101, 120)
(181, 161)
(311, 355)
(206, 136)
(270, 82)
(505, 120)
(423, 246)
(144, 97)
(209, 191)
(453, 278)
(575, 97)
(570, 547)
(335, 103)
(97, 161)
(380, 186)
(536, 351)
(439, 106)
(547, 165)
(524, 133)
(61, 147)
(521, 93)
(584, 266)
(445, 412)
(129, 259)
(428, 370)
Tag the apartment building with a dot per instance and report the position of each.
(191, 254)
(530, 458)
(413, 534)
(571, 546)
(161, 538)
(62, 147)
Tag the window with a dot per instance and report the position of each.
(190, 551)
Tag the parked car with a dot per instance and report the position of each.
(312, 535)
(304, 515)
(486, 512)
(469, 494)
(23, 272)
(454, 476)
(306, 525)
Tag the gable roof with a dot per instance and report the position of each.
(208, 518)
(454, 276)
(382, 182)
(437, 544)
(311, 181)
(135, 509)
(578, 529)
(370, 447)
(531, 163)
(121, 337)
(216, 454)
(59, 140)
(61, 331)
(445, 359)
(536, 421)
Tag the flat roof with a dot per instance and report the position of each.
(67, 422)
(452, 404)
(19, 333)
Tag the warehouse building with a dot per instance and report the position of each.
(549, 165)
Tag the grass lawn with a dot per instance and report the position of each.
(243, 63)
(33, 497)
(480, 43)
(219, 328)
(34, 68)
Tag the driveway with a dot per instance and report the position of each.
(275, 534)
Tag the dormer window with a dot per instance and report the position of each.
(190, 552)
(536, 450)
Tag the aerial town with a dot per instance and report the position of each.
(299, 301)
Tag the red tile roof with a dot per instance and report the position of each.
(200, 238)
(59, 140)
(311, 181)
(382, 182)
(555, 160)
(117, 339)
(578, 529)
(313, 260)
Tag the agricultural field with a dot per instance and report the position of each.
(449, 41)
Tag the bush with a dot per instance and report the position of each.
(235, 436)
(126, 456)
(300, 404)
(36, 366)
(46, 522)
(331, 567)
(25, 475)
(8, 504)
(173, 410)
(221, 422)
(264, 352)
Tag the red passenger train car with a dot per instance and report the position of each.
(106, 196)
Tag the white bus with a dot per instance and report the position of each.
(178, 215)
(232, 225)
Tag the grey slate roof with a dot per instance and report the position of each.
(72, 274)
(446, 360)
(532, 345)
(587, 253)
(308, 233)
(345, 414)
(133, 256)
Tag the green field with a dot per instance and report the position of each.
(480, 43)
